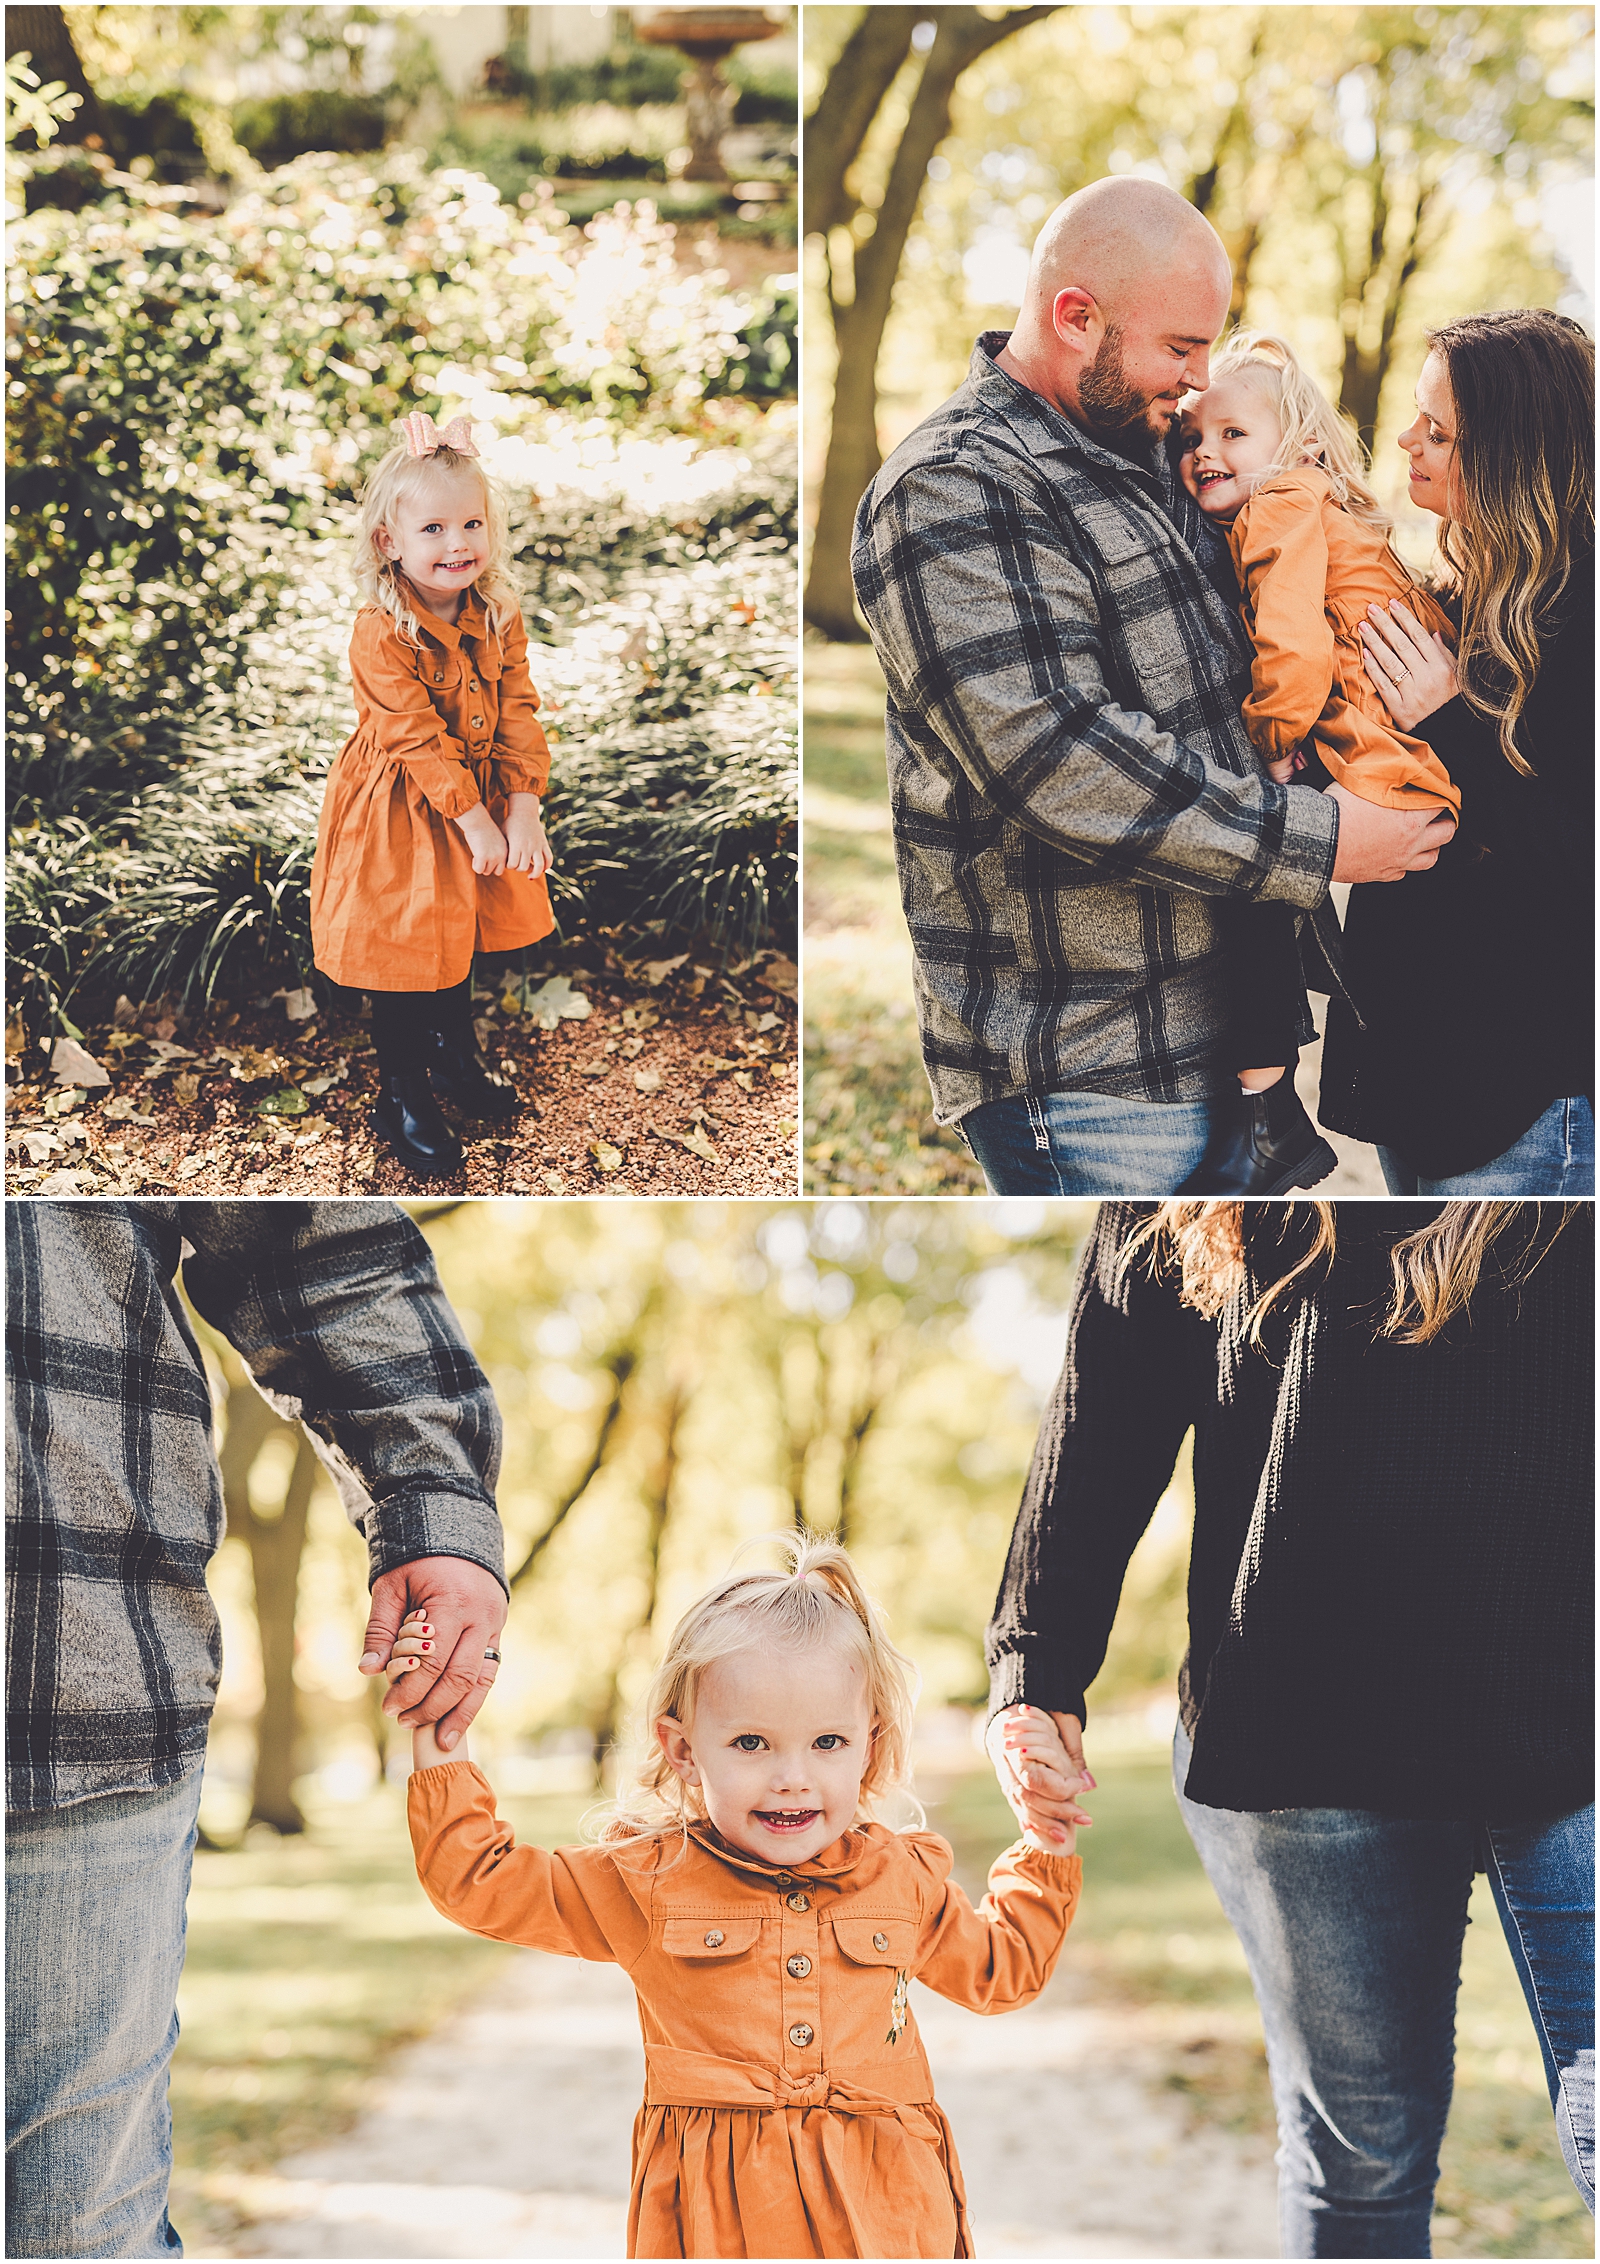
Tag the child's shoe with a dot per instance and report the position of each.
(1261, 1144)
(461, 1076)
(408, 1118)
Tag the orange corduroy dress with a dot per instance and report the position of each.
(441, 725)
(788, 2107)
(1309, 571)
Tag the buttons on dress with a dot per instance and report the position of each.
(880, 1941)
(799, 1902)
(716, 1938)
(438, 675)
(799, 1966)
(477, 723)
(800, 2035)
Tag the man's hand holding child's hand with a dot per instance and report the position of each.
(1041, 1775)
(1287, 767)
(412, 1647)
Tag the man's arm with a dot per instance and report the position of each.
(336, 1310)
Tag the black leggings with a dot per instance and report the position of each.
(404, 1024)
(1266, 990)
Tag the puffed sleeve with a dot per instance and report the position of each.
(521, 753)
(570, 1901)
(394, 703)
(1281, 550)
(1000, 1955)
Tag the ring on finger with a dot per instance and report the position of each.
(491, 1653)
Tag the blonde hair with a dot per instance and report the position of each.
(392, 482)
(1312, 426)
(818, 1600)
(1434, 1271)
(1522, 383)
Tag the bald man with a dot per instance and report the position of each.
(1073, 790)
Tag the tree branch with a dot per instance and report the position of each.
(620, 1366)
(860, 78)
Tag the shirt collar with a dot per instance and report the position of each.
(831, 1867)
(1047, 430)
(469, 622)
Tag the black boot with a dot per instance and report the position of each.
(461, 1076)
(408, 1118)
(1261, 1144)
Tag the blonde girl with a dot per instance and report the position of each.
(1270, 461)
(431, 845)
(771, 1922)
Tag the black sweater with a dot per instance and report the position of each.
(1476, 979)
(1390, 1585)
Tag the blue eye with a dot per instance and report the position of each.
(829, 1742)
(749, 1742)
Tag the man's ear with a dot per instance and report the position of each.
(1076, 318)
(673, 1739)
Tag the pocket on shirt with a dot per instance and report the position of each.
(877, 1941)
(710, 1941)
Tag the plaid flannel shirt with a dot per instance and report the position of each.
(114, 1500)
(1072, 786)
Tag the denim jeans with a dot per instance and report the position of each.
(1086, 1143)
(95, 1899)
(1555, 1156)
(1352, 1925)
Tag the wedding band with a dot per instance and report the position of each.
(491, 1654)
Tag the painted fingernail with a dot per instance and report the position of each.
(427, 1646)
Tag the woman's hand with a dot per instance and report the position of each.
(527, 845)
(1038, 1760)
(1414, 672)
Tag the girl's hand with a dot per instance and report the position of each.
(1415, 673)
(425, 1753)
(1038, 1759)
(484, 838)
(415, 1642)
(1284, 769)
(527, 846)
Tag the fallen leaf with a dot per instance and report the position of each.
(631, 1048)
(556, 1001)
(124, 1014)
(326, 1082)
(640, 1018)
(780, 975)
(289, 1103)
(40, 1145)
(713, 1064)
(72, 1066)
(124, 1110)
(698, 1145)
(605, 1155)
(186, 1089)
(192, 1166)
(251, 1065)
(69, 1183)
(299, 1005)
(647, 1080)
(69, 1096)
(554, 1181)
(16, 1035)
(656, 971)
(745, 1079)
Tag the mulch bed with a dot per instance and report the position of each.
(679, 1079)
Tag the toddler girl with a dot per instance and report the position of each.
(770, 1924)
(1267, 456)
(431, 846)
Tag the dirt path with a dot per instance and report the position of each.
(672, 1079)
(505, 2134)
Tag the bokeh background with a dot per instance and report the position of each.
(243, 242)
(676, 1379)
(1372, 171)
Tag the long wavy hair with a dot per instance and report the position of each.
(1522, 382)
(1312, 427)
(391, 482)
(817, 1600)
(1434, 1271)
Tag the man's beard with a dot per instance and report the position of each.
(1112, 406)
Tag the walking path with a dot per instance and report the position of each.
(506, 2133)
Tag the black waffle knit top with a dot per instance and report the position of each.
(1391, 1579)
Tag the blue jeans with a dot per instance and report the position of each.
(1086, 1143)
(1555, 1156)
(1352, 1925)
(95, 1899)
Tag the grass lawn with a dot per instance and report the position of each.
(869, 1127)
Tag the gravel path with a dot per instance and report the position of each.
(506, 2133)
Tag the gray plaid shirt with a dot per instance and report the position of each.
(114, 1499)
(1072, 786)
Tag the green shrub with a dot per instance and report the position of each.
(277, 127)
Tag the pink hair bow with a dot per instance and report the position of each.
(423, 437)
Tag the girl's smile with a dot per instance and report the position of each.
(776, 1747)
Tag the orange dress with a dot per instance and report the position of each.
(1309, 571)
(441, 725)
(788, 2107)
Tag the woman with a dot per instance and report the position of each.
(1388, 1681)
(1474, 1071)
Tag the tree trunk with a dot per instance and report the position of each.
(276, 1547)
(42, 35)
(658, 1503)
(962, 35)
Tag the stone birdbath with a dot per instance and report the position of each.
(708, 36)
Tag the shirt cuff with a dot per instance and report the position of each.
(398, 1533)
(1015, 1680)
(1303, 868)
